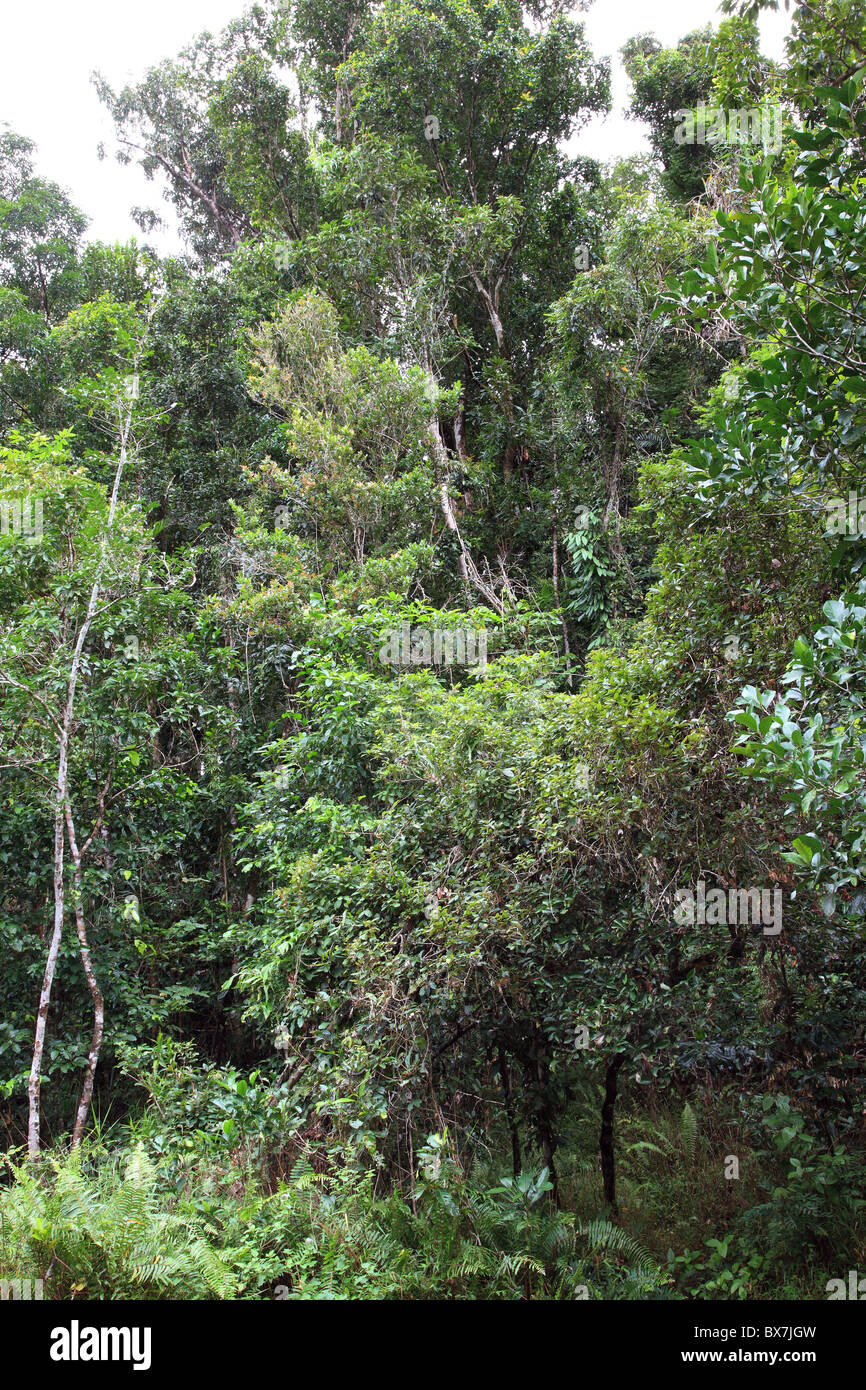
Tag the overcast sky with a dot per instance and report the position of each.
(50, 47)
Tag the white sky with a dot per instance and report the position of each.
(48, 48)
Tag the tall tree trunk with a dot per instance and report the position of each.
(35, 1081)
(468, 570)
(545, 1110)
(34, 1085)
(509, 1111)
(92, 985)
(566, 645)
(491, 304)
(460, 430)
(608, 1162)
(610, 519)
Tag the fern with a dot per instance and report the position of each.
(105, 1236)
(603, 1235)
(689, 1132)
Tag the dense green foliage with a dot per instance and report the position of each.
(399, 997)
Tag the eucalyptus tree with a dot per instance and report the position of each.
(164, 125)
(485, 100)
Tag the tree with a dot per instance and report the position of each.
(40, 231)
(109, 395)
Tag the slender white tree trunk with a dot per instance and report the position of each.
(61, 804)
(92, 984)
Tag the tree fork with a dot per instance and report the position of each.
(34, 1084)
